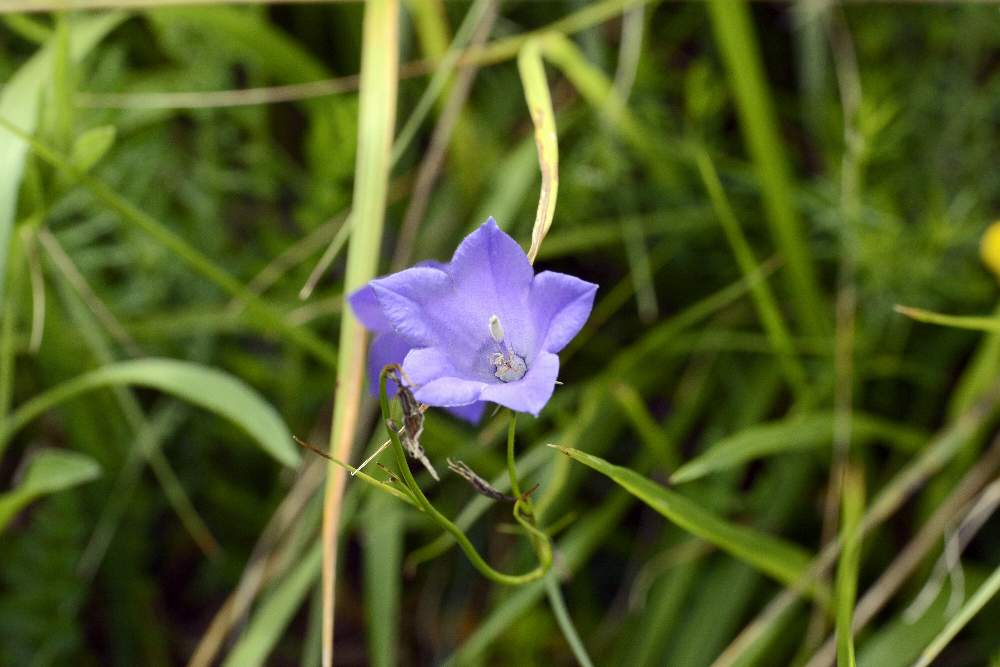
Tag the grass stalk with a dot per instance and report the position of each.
(942, 449)
(763, 297)
(850, 559)
(376, 125)
(566, 622)
(972, 606)
(734, 33)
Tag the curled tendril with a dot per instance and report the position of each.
(522, 507)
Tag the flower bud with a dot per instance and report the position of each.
(989, 248)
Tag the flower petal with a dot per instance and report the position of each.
(471, 413)
(407, 301)
(530, 393)
(366, 307)
(561, 305)
(432, 264)
(490, 249)
(448, 392)
(386, 348)
(424, 365)
(435, 380)
(492, 276)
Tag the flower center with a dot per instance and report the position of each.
(507, 365)
(509, 368)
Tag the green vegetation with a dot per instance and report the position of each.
(779, 423)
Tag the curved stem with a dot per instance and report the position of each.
(539, 540)
(545, 550)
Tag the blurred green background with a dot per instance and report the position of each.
(754, 186)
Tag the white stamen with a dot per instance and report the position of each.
(507, 365)
(496, 329)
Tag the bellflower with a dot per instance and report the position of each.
(481, 328)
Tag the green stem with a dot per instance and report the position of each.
(566, 622)
(972, 607)
(541, 539)
(764, 299)
(515, 488)
(737, 42)
(8, 331)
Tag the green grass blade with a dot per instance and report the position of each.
(659, 445)
(945, 445)
(990, 324)
(383, 541)
(972, 606)
(587, 17)
(536, 93)
(850, 561)
(442, 72)
(9, 308)
(91, 146)
(258, 41)
(262, 314)
(49, 471)
(566, 622)
(663, 611)
(376, 126)
(781, 560)
(735, 36)
(595, 86)
(637, 354)
(724, 591)
(793, 434)
(271, 619)
(27, 27)
(900, 641)
(200, 385)
(764, 299)
(147, 433)
(979, 374)
(57, 112)
(574, 550)
(148, 438)
(19, 103)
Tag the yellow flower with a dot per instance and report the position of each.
(989, 248)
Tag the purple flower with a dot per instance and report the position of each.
(482, 328)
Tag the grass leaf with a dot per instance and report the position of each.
(536, 93)
(19, 103)
(91, 146)
(49, 471)
(782, 560)
(383, 553)
(203, 386)
(793, 434)
(735, 35)
(850, 560)
(972, 606)
(991, 324)
(275, 612)
(376, 125)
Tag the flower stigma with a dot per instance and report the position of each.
(509, 367)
